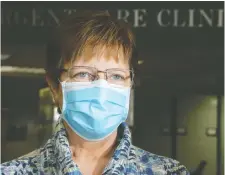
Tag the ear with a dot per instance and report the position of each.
(54, 90)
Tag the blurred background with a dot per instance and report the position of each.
(177, 106)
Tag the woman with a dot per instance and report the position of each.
(89, 72)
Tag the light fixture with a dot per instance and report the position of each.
(5, 56)
(27, 70)
(140, 62)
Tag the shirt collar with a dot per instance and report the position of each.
(64, 155)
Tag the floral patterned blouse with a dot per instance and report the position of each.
(55, 158)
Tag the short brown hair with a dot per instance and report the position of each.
(89, 28)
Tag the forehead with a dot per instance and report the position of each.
(102, 57)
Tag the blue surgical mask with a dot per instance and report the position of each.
(94, 110)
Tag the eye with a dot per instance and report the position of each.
(82, 75)
(117, 77)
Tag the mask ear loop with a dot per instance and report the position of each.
(63, 84)
(132, 78)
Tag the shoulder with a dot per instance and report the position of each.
(28, 163)
(148, 163)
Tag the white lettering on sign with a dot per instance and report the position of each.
(36, 18)
(191, 17)
(206, 17)
(159, 18)
(176, 21)
(220, 18)
(139, 18)
(69, 11)
(123, 14)
(53, 16)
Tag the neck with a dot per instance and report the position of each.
(81, 148)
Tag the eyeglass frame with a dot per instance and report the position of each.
(105, 72)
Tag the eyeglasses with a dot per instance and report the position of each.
(123, 77)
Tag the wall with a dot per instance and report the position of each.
(197, 113)
(194, 112)
(13, 149)
(20, 102)
(152, 113)
(222, 136)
